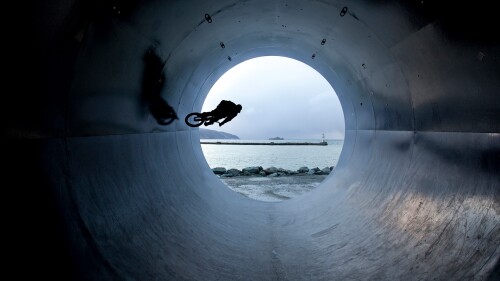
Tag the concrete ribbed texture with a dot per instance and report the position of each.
(103, 192)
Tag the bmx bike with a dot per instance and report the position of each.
(196, 119)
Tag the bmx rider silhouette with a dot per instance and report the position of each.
(226, 109)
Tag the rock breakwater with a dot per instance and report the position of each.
(270, 172)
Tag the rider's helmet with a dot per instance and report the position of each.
(239, 107)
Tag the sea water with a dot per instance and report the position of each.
(289, 157)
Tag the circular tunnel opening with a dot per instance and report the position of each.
(288, 136)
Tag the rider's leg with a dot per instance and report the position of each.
(205, 116)
(210, 121)
(211, 117)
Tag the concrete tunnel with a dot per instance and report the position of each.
(103, 192)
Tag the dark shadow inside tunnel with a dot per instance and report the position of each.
(153, 81)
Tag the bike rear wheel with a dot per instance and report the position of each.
(194, 119)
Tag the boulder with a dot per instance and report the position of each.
(252, 170)
(325, 171)
(270, 170)
(303, 170)
(313, 171)
(219, 170)
(233, 172)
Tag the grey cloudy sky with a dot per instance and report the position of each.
(281, 97)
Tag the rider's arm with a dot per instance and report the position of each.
(229, 118)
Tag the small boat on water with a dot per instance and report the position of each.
(322, 142)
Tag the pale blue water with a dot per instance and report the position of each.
(279, 156)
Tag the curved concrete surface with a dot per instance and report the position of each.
(105, 193)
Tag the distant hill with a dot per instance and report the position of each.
(213, 134)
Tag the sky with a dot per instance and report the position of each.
(281, 97)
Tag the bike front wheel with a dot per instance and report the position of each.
(194, 119)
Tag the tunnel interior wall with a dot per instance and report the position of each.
(415, 194)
